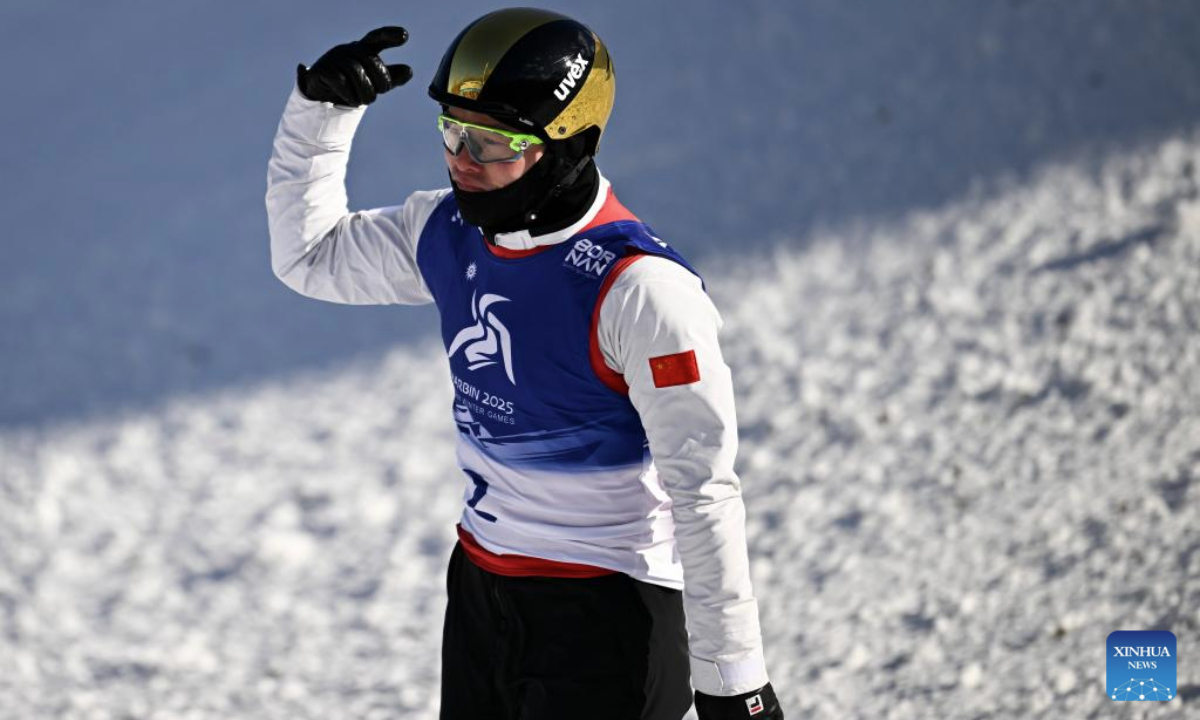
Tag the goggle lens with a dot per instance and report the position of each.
(486, 145)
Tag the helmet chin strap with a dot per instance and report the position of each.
(568, 180)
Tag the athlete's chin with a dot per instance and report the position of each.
(468, 186)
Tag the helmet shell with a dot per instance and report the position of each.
(532, 69)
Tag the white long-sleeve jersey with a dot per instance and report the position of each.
(654, 308)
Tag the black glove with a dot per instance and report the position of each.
(756, 705)
(353, 74)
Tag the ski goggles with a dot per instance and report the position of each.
(485, 144)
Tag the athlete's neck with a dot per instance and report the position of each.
(562, 210)
(523, 240)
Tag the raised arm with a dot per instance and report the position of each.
(318, 247)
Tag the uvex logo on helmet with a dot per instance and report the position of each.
(574, 72)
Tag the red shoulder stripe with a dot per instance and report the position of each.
(611, 211)
(607, 375)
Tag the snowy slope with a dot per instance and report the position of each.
(137, 135)
(970, 437)
(983, 464)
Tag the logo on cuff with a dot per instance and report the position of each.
(754, 705)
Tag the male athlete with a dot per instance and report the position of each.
(595, 416)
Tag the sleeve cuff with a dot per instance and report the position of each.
(723, 679)
(323, 123)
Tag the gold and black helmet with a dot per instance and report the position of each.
(531, 69)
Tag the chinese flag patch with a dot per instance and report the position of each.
(677, 369)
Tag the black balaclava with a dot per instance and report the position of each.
(554, 193)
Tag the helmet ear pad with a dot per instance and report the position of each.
(572, 149)
(570, 165)
(591, 138)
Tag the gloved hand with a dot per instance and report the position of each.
(756, 705)
(353, 74)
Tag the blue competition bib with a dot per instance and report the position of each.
(517, 333)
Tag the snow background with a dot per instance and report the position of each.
(957, 249)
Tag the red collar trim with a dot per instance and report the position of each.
(510, 254)
(611, 211)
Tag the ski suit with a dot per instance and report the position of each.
(595, 413)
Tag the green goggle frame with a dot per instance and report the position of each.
(485, 144)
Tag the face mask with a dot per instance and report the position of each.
(505, 209)
(553, 188)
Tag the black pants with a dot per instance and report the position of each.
(609, 648)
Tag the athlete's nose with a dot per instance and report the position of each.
(463, 162)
